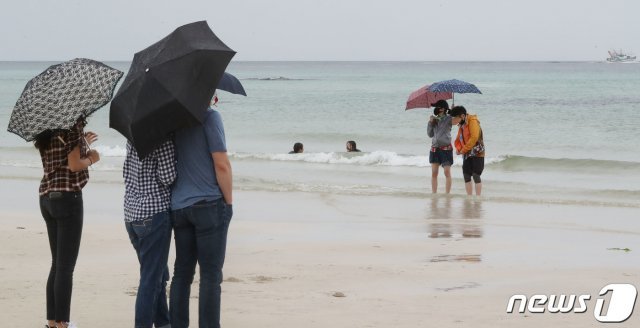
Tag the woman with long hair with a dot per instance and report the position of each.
(66, 158)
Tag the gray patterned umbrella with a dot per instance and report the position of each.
(57, 97)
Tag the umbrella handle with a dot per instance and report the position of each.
(86, 143)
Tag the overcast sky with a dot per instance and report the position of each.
(424, 30)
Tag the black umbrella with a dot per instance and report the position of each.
(231, 84)
(57, 97)
(169, 86)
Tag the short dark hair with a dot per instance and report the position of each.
(457, 110)
(297, 147)
(436, 110)
(43, 140)
(352, 144)
(441, 104)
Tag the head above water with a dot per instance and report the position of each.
(298, 147)
(351, 146)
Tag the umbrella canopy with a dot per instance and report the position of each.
(169, 86)
(231, 84)
(454, 85)
(57, 97)
(423, 98)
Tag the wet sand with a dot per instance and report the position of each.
(317, 260)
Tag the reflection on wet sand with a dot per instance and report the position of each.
(442, 222)
(464, 222)
(471, 215)
(439, 217)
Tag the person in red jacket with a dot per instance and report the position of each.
(470, 144)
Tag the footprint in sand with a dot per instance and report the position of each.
(132, 292)
(233, 279)
(262, 279)
(465, 286)
(457, 258)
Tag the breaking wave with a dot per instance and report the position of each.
(504, 162)
(376, 158)
(273, 78)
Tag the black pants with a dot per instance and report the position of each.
(472, 167)
(62, 212)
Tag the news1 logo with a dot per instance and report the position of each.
(618, 309)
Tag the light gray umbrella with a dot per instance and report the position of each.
(57, 97)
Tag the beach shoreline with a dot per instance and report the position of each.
(310, 259)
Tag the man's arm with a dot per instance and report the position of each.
(474, 135)
(222, 166)
(167, 171)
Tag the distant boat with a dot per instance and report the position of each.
(620, 57)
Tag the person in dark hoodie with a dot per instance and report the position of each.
(441, 154)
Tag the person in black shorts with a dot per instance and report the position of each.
(441, 154)
(470, 144)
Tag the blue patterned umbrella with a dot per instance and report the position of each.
(454, 85)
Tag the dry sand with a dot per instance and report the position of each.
(310, 260)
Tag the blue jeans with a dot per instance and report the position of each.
(201, 237)
(151, 239)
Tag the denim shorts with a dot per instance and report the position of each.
(442, 157)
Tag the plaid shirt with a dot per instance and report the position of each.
(148, 182)
(57, 176)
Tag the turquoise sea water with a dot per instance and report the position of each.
(555, 131)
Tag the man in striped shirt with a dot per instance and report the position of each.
(147, 218)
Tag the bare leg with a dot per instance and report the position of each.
(478, 188)
(447, 174)
(469, 188)
(51, 323)
(434, 177)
